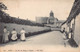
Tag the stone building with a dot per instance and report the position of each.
(73, 23)
(42, 20)
(50, 21)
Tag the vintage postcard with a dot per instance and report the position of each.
(39, 25)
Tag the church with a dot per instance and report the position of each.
(49, 21)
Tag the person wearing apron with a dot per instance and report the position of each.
(14, 35)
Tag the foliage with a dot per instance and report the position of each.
(2, 6)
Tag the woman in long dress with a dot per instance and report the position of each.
(5, 35)
(22, 33)
(14, 35)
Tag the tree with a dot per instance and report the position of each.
(2, 6)
(2, 13)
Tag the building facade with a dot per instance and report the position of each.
(72, 24)
(41, 20)
(49, 21)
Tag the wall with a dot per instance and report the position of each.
(77, 30)
(41, 19)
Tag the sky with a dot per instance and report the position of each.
(30, 9)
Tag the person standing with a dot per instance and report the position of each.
(64, 38)
(70, 33)
(14, 35)
(22, 33)
(5, 35)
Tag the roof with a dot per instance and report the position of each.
(63, 23)
(74, 11)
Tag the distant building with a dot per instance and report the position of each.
(49, 21)
(51, 18)
(42, 20)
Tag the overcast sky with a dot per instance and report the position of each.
(38, 8)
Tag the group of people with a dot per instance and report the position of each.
(67, 36)
(13, 34)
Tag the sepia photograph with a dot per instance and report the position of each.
(39, 25)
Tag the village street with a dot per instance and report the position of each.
(49, 38)
(46, 42)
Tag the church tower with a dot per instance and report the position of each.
(51, 14)
(51, 18)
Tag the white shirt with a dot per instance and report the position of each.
(22, 32)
